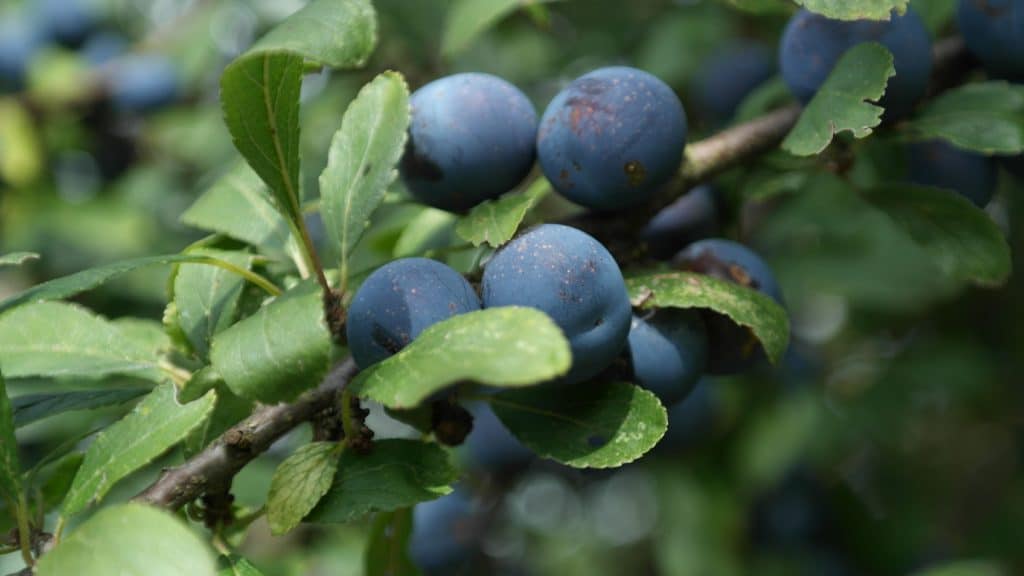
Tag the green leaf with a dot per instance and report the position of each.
(744, 306)
(260, 89)
(965, 568)
(842, 102)
(496, 221)
(10, 465)
(280, 351)
(836, 243)
(60, 339)
(33, 407)
(238, 205)
(777, 438)
(299, 483)
(395, 474)
(129, 540)
(761, 6)
(88, 279)
(961, 238)
(986, 117)
(17, 258)
(228, 411)
(260, 96)
(155, 425)
(361, 161)
(600, 425)
(387, 554)
(238, 566)
(855, 9)
(506, 347)
(467, 19)
(206, 297)
(57, 484)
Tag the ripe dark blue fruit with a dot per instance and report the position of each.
(574, 280)
(731, 348)
(612, 138)
(692, 217)
(728, 77)
(994, 32)
(942, 165)
(400, 300)
(471, 139)
(444, 532)
(143, 83)
(490, 446)
(102, 48)
(668, 350)
(19, 42)
(692, 418)
(67, 22)
(812, 44)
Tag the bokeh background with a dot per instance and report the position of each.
(889, 440)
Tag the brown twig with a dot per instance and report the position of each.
(213, 468)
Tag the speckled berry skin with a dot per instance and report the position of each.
(612, 138)
(727, 78)
(443, 535)
(668, 350)
(471, 139)
(994, 32)
(692, 217)
(942, 165)
(400, 300)
(574, 280)
(731, 348)
(812, 45)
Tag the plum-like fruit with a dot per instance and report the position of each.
(731, 348)
(727, 78)
(994, 32)
(143, 83)
(400, 300)
(490, 446)
(692, 217)
(668, 350)
(692, 418)
(105, 47)
(20, 40)
(471, 139)
(812, 45)
(444, 533)
(572, 278)
(942, 165)
(68, 22)
(612, 138)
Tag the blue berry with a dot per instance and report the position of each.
(668, 351)
(942, 165)
(812, 45)
(471, 139)
(612, 138)
(399, 301)
(994, 32)
(731, 348)
(574, 280)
